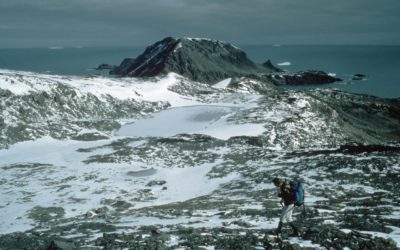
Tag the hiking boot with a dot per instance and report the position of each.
(295, 231)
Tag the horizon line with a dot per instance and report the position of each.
(277, 45)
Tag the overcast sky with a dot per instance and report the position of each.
(43, 23)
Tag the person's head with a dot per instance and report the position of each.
(277, 182)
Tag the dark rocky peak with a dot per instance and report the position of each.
(268, 64)
(150, 62)
(210, 61)
(213, 49)
(199, 59)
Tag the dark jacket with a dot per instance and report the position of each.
(287, 195)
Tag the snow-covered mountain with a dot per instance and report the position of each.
(172, 163)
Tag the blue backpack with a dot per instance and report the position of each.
(297, 187)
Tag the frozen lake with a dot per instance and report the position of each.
(211, 120)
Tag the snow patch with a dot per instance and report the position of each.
(178, 46)
(222, 84)
(22, 83)
(60, 178)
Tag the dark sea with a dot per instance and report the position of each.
(381, 64)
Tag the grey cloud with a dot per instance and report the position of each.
(138, 22)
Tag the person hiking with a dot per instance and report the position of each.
(288, 201)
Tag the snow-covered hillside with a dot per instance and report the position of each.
(173, 163)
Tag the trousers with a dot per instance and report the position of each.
(286, 215)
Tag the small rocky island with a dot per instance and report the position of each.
(358, 77)
(105, 66)
(210, 61)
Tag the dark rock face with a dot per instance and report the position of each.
(104, 66)
(201, 60)
(310, 77)
(366, 117)
(268, 64)
(150, 63)
(358, 77)
(210, 61)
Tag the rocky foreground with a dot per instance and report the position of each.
(167, 162)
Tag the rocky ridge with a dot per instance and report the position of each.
(53, 106)
(202, 60)
(209, 61)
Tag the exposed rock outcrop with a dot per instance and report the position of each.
(210, 61)
(309, 77)
(358, 77)
(201, 60)
(104, 66)
(269, 65)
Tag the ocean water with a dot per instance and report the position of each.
(381, 64)
(65, 61)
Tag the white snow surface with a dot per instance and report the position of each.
(204, 119)
(22, 83)
(60, 178)
(77, 187)
(222, 84)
